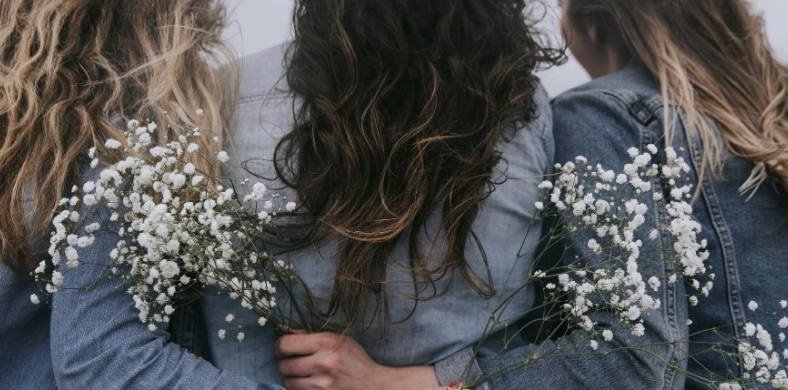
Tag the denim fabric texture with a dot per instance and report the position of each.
(438, 327)
(25, 361)
(97, 340)
(747, 242)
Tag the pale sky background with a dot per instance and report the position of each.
(259, 24)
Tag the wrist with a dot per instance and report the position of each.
(414, 377)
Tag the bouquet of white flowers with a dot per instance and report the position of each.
(603, 219)
(176, 227)
(609, 211)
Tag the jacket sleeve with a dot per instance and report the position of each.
(97, 340)
(601, 126)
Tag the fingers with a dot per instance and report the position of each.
(310, 383)
(298, 366)
(305, 344)
(328, 363)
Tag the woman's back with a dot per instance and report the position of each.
(70, 74)
(423, 332)
(746, 236)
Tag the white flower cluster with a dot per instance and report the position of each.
(762, 360)
(610, 210)
(176, 227)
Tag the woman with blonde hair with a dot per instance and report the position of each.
(699, 76)
(71, 73)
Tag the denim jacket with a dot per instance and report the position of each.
(25, 362)
(747, 241)
(432, 329)
(97, 340)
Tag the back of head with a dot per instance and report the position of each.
(712, 59)
(404, 104)
(68, 66)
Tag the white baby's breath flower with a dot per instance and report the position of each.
(112, 143)
(607, 335)
(783, 323)
(594, 246)
(57, 279)
(654, 283)
(222, 156)
(92, 228)
(633, 313)
(178, 180)
(752, 305)
(241, 336)
(749, 329)
(34, 299)
(221, 333)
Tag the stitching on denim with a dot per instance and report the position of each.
(723, 234)
(648, 136)
(642, 111)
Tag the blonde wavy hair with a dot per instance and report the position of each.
(67, 67)
(711, 59)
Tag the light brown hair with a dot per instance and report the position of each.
(68, 66)
(711, 59)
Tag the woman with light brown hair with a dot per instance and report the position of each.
(698, 76)
(71, 73)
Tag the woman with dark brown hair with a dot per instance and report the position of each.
(419, 137)
(71, 73)
(698, 76)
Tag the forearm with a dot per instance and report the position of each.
(627, 362)
(414, 377)
(98, 342)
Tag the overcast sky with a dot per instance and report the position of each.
(259, 24)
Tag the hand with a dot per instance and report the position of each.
(329, 361)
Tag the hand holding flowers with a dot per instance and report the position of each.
(332, 361)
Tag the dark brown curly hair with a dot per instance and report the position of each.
(403, 105)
